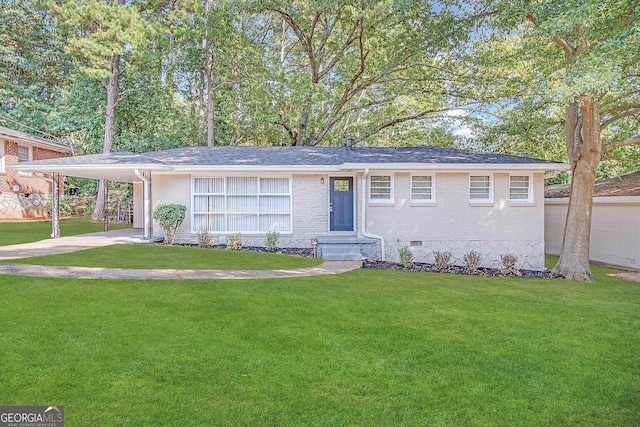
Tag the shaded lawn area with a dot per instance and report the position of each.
(368, 347)
(13, 232)
(171, 257)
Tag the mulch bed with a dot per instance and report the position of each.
(455, 269)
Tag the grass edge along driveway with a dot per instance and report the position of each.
(362, 348)
(17, 232)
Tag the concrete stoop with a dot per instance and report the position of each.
(346, 248)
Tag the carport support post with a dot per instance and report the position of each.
(146, 205)
(55, 207)
(106, 206)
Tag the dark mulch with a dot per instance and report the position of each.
(456, 269)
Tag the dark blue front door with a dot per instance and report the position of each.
(341, 208)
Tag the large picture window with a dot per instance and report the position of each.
(241, 204)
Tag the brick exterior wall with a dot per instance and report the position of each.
(451, 224)
(28, 184)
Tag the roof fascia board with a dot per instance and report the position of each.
(597, 200)
(456, 167)
(56, 168)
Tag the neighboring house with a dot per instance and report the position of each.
(22, 194)
(615, 225)
(369, 201)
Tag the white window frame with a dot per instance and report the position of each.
(2, 156)
(429, 201)
(529, 198)
(29, 151)
(30, 158)
(385, 201)
(226, 195)
(489, 198)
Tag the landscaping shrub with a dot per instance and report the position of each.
(169, 217)
(509, 262)
(271, 241)
(406, 257)
(442, 260)
(234, 242)
(64, 207)
(205, 239)
(472, 261)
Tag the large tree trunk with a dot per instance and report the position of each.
(585, 157)
(109, 129)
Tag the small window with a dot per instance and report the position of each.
(480, 188)
(24, 153)
(422, 189)
(380, 188)
(520, 188)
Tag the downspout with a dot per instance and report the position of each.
(364, 216)
(146, 204)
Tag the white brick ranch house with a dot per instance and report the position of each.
(352, 202)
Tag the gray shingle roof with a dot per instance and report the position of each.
(106, 159)
(327, 156)
(625, 185)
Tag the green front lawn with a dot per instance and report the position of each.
(362, 348)
(171, 257)
(13, 232)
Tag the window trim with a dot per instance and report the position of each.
(486, 201)
(225, 195)
(432, 200)
(529, 198)
(29, 151)
(2, 157)
(388, 201)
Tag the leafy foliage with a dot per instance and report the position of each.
(169, 217)
(234, 242)
(271, 240)
(406, 257)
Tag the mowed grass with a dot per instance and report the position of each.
(362, 348)
(13, 232)
(171, 257)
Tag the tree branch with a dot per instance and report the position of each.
(618, 144)
(398, 120)
(612, 119)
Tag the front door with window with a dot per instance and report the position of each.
(341, 204)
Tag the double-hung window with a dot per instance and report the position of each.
(422, 189)
(241, 204)
(24, 153)
(480, 189)
(520, 188)
(381, 188)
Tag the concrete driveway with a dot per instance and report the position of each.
(71, 243)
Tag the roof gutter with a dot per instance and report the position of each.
(363, 218)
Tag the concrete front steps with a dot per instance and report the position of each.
(346, 248)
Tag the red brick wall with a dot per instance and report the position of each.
(28, 185)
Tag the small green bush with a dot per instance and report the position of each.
(509, 262)
(472, 261)
(169, 217)
(442, 260)
(64, 205)
(271, 241)
(205, 239)
(234, 242)
(406, 257)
